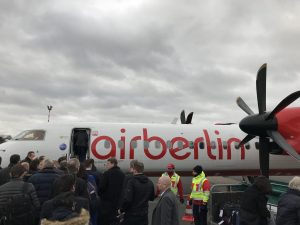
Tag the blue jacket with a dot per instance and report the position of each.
(42, 181)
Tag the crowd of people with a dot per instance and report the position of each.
(39, 190)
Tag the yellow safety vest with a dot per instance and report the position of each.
(197, 188)
(174, 181)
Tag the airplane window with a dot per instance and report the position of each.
(191, 144)
(236, 145)
(106, 144)
(146, 144)
(31, 135)
(121, 144)
(213, 144)
(201, 145)
(180, 144)
(256, 145)
(133, 144)
(225, 144)
(169, 145)
(157, 144)
(247, 146)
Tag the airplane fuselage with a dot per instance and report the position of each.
(213, 147)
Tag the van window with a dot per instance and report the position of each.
(31, 135)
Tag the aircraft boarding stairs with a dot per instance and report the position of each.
(230, 194)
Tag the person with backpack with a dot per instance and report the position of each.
(18, 200)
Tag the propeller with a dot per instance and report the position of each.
(187, 120)
(264, 124)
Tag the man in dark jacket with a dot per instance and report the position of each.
(138, 191)
(288, 211)
(81, 140)
(19, 197)
(43, 180)
(110, 190)
(5, 173)
(254, 203)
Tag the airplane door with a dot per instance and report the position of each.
(80, 138)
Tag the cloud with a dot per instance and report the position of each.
(142, 61)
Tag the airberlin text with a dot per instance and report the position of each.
(219, 153)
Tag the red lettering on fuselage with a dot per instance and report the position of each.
(161, 149)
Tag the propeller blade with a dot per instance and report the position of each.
(246, 139)
(264, 156)
(189, 118)
(284, 103)
(182, 117)
(279, 139)
(240, 102)
(261, 88)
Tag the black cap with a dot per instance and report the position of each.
(198, 169)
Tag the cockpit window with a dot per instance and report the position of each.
(30, 135)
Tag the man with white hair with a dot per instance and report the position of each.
(288, 211)
(166, 210)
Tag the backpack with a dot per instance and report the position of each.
(19, 209)
(93, 192)
(229, 214)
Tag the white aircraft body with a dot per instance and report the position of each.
(185, 145)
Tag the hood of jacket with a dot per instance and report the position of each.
(141, 178)
(82, 219)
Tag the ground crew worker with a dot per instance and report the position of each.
(176, 185)
(199, 196)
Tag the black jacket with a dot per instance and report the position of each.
(110, 187)
(5, 174)
(254, 207)
(288, 211)
(138, 191)
(15, 187)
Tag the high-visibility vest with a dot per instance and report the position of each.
(197, 188)
(174, 181)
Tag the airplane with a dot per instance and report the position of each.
(219, 148)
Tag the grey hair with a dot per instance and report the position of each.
(47, 163)
(295, 183)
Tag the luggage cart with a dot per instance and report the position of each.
(221, 194)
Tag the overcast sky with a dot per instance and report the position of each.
(143, 60)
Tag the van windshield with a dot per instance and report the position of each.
(30, 135)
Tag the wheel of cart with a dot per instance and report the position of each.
(223, 197)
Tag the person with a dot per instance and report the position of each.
(253, 210)
(19, 198)
(30, 156)
(288, 209)
(138, 191)
(199, 195)
(5, 173)
(66, 190)
(81, 140)
(176, 185)
(166, 210)
(43, 180)
(110, 190)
